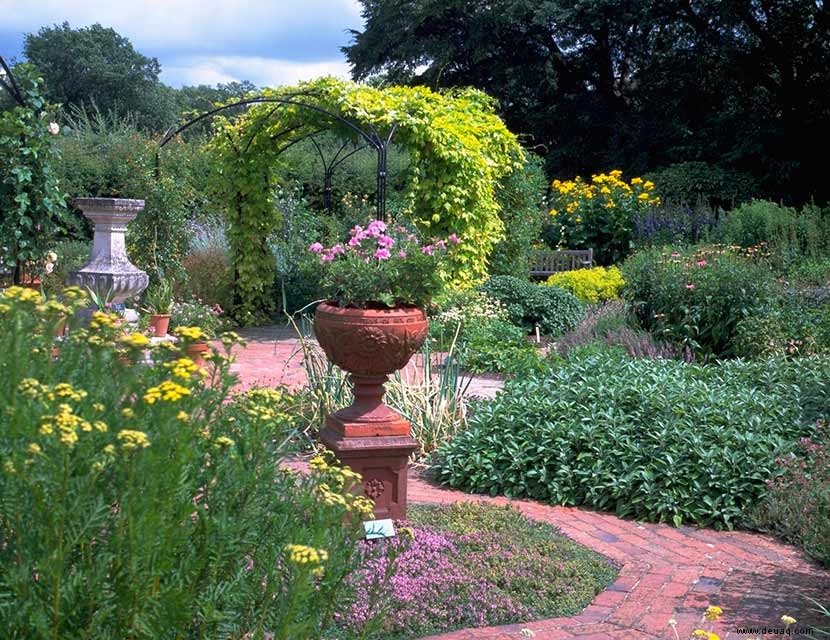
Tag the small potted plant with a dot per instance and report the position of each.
(195, 323)
(158, 302)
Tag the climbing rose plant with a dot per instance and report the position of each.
(31, 202)
(459, 149)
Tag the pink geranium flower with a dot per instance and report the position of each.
(382, 254)
(428, 249)
(316, 248)
(453, 238)
(402, 254)
(690, 286)
(701, 263)
(385, 241)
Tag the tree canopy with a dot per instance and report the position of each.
(600, 84)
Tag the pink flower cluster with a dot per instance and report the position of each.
(373, 242)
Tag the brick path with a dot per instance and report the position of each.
(666, 572)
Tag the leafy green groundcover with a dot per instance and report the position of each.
(472, 565)
(653, 439)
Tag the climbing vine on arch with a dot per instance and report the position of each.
(458, 146)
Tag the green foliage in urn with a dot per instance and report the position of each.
(459, 150)
(32, 205)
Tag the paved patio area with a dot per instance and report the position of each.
(666, 572)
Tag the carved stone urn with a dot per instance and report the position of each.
(109, 272)
(368, 436)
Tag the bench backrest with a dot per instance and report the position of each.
(546, 262)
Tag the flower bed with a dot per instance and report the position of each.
(473, 565)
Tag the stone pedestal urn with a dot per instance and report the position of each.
(109, 272)
(371, 438)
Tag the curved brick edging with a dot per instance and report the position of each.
(666, 572)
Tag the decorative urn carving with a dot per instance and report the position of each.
(371, 438)
(109, 271)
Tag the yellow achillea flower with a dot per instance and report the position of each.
(8, 466)
(167, 391)
(101, 320)
(23, 294)
(34, 449)
(66, 423)
(100, 426)
(182, 415)
(127, 412)
(182, 367)
(131, 440)
(318, 463)
(788, 620)
(301, 554)
(713, 613)
(99, 407)
(224, 441)
(191, 333)
(65, 390)
(136, 340)
(30, 388)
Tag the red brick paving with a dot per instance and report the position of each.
(665, 572)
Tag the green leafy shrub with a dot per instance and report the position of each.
(789, 234)
(496, 346)
(71, 256)
(553, 309)
(787, 330)
(590, 285)
(135, 502)
(690, 182)
(653, 439)
(797, 505)
(696, 297)
(813, 272)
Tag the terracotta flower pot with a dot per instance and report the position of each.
(196, 352)
(160, 322)
(370, 344)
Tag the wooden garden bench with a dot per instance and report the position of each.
(544, 262)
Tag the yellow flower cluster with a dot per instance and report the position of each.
(67, 424)
(136, 340)
(101, 320)
(223, 441)
(302, 554)
(183, 368)
(343, 479)
(608, 190)
(131, 440)
(167, 391)
(22, 294)
(190, 333)
(590, 285)
(713, 613)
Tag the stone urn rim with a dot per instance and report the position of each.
(127, 205)
(370, 341)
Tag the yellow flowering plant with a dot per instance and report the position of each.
(590, 285)
(137, 495)
(598, 214)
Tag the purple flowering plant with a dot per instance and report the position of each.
(379, 266)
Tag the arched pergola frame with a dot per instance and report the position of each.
(372, 139)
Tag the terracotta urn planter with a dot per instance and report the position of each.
(368, 436)
(196, 352)
(160, 322)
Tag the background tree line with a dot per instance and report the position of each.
(595, 84)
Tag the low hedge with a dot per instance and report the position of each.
(654, 439)
(528, 304)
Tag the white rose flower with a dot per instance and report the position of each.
(54, 129)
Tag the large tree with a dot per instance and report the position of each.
(96, 65)
(636, 84)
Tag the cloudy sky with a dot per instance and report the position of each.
(269, 42)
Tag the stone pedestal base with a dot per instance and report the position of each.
(382, 461)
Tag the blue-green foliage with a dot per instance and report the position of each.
(653, 439)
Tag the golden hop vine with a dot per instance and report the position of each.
(458, 146)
